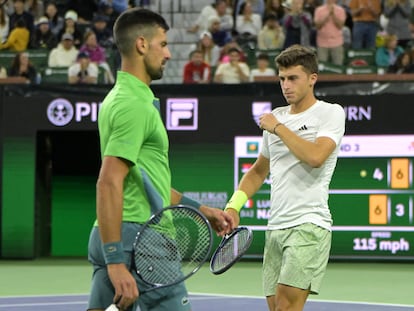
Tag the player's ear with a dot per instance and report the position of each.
(141, 45)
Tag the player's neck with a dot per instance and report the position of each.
(302, 105)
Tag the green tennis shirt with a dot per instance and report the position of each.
(130, 127)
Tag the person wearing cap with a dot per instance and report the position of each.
(83, 71)
(43, 38)
(65, 54)
(104, 34)
(85, 10)
(220, 36)
(210, 50)
(71, 26)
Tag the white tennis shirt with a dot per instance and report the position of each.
(299, 193)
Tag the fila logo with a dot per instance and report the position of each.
(182, 114)
(303, 128)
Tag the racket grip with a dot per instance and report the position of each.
(112, 307)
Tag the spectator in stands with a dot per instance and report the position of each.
(84, 9)
(263, 69)
(365, 15)
(4, 25)
(43, 38)
(220, 37)
(196, 70)
(65, 54)
(22, 67)
(220, 9)
(274, 7)
(36, 8)
(310, 6)
(234, 71)
(18, 39)
(71, 26)
(403, 64)
(271, 36)
(106, 9)
(398, 13)
(224, 53)
(104, 34)
(210, 50)
(386, 55)
(297, 24)
(118, 6)
(258, 7)
(329, 20)
(55, 20)
(96, 54)
(83, 71)
(3, 72)
(21, 14)
(248, 25)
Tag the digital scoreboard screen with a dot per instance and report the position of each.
(371, 196)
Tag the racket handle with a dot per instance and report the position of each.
(112, 307)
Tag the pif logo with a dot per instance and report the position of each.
(182, 114)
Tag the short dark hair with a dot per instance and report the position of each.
(233, 49)
(298, 55)
(263, 56)
(133, 23)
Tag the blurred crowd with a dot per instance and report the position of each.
(77, 35)
(228, 30)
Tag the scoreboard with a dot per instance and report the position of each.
(371, 196)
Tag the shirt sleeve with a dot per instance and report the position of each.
(333, 124)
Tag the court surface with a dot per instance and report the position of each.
(200, 302)
(62, 285)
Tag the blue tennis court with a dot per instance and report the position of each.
(200, 302)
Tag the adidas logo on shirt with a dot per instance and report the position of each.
(303, 128)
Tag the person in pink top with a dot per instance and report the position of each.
(329, 19)
(97, 54)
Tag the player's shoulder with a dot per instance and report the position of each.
(331, 107)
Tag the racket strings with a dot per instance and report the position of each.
(234, 247)
(173, 247)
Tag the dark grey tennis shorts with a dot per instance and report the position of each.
(172, 298)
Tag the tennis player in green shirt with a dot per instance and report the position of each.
(134, 180)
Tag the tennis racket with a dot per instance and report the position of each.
(232, 247)
(170, 247)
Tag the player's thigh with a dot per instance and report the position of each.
(305, 257)
(272, 260)
(172, 298)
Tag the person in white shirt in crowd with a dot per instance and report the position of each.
(220, 9)
(271, 36)
(248, 23)
(234, 71)
(263, 69)
(65, 54)
(83, 71)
